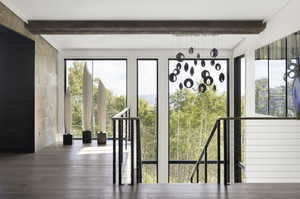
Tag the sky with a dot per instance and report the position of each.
(147, 77)
(111, 72)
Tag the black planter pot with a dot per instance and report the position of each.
(101, 138)
(68, 139)
(86, 137)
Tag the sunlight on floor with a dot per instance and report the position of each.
(95, 150)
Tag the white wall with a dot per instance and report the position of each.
(132, 55)
(272, 147)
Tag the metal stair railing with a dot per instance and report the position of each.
(128, 129)
(203, 158)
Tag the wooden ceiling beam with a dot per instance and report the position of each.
(146, 27)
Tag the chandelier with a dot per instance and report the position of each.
(206, 82)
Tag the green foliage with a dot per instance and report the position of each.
(75, 79)
(192, 117)
(261, 96)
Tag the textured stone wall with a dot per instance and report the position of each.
(45, 80)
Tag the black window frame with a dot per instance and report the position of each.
(149, 162)
(268, 75)
(193, 162)
(95, 59)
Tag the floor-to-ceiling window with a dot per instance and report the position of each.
(192, 115)
(112, 75)
(147, 111)
(277, 77)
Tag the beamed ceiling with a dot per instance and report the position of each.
(156, 22)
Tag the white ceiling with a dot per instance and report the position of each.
(148, 9)
(144, 10)
(142, 41)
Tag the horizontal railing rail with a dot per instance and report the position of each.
(128, 129)
(121, 113)
(203, 158)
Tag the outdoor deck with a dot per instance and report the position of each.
(85, 172)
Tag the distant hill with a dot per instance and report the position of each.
(151, 99)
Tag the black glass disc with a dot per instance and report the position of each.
(192, 71)
(212, 62)
(195, 62)
(172, 77)
(214, 88)
(221, 77)
(205, 74)
(178, 66)
(186, 67)
(180, 86)
(214, 52)
(203, 63)
(198, 56)
(188, 83)
(208, 80)
(176, 71)
(218, 66)
(180, 57)
(191, 50)
(202, 88)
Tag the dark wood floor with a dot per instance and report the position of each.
(79, 172)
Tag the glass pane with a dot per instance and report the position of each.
(277, 83)
(180, 173)
(112, 74)
(147, 107)
(149, 173)
(261, 81)
(74, 69)
(293, 54)
(192, 114)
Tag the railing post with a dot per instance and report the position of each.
(129, 131)
(197, 173)
(139, 157)
(205, 166)
(225, 153)
(126, 131)
(131, 128)
(228, 151)
(219, 152)
(120, 150)
(114, 151)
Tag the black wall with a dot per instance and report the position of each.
(16, 92)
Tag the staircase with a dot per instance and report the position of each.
(128, 168)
